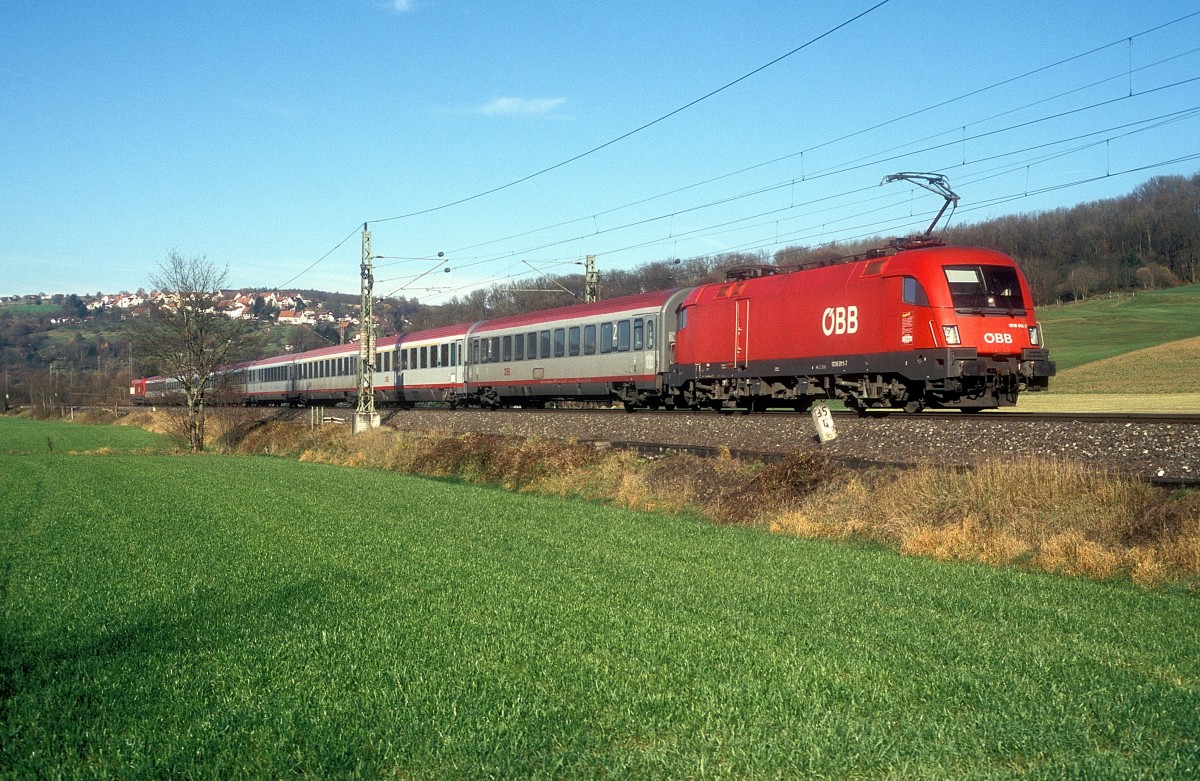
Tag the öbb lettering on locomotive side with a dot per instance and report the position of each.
(840, 320)
(912, 326)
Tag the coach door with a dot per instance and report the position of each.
(741, 333)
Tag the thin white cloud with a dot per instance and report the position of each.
(403, 6)
(539, 107)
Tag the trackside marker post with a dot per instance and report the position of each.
(823, 420)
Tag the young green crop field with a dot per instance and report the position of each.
(222, 617)
(21, 435)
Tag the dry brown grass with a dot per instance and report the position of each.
(1053, 516)
(1164, 368)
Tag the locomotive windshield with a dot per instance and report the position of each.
(984, 288)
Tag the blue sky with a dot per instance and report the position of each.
(264, 134)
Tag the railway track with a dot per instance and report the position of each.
(1162, 449)
(1078, 417)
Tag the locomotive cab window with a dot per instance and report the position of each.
(913, 292)
(985, 287)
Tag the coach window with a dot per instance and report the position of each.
(544, 344)
(573, 340)
(913, 292)
(506, 348)
(519, 347)
(494, 350)
(639, 330)
(607, 339)
(650, 333)
(444, 355)
(623, 336)
(560, 342)
(531, 345)
(589, 340)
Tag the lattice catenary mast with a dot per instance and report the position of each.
(365, 416)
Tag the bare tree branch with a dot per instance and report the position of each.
(187, 337)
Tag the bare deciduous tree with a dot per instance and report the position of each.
(187, 338)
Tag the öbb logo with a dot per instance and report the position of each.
(840, 320)
(998, 338)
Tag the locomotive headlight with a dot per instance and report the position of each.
(1034, 338)
(950, 332)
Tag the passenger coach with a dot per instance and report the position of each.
(616, 350)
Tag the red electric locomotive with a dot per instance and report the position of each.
(918, 325)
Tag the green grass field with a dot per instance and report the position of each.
(30, 309)
(1105, 327)
(221, 617)
(22, 435)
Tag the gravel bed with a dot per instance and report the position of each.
(1152, 450)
